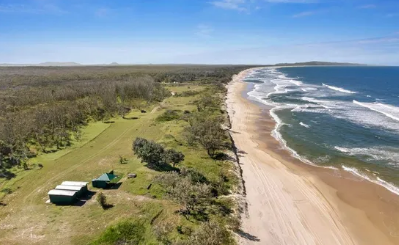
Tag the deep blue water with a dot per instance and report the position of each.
(341, 117)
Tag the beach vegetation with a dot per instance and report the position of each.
(71, 124)
(205, 129)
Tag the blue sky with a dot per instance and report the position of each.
(196, 31)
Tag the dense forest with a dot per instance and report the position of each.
(44, 108)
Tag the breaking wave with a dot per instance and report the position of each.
(339, 89)
(289, 95)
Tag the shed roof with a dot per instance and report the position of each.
(75, 183)
(69, 187)
(106, 177)
(62, 193)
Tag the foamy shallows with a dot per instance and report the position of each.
(336, 117)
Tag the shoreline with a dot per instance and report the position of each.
(290, 202)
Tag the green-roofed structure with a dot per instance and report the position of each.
(103, 180)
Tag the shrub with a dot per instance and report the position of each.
(126, 232)
(102, 200)
(123, 160)
(209, 233)
(208, 102)
(168, 115)
(181, 189)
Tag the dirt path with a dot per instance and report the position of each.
(283, 207)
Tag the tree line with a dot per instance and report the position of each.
(48, 118)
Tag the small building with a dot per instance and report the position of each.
(104, 180)
(80, 190)
(76, 183)
(62, 197)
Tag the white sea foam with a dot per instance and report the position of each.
(342, 149)
(390, 187)
(339, 89)
(297, 83)
(277, 83)
(388, 110)
(304, 125)
(277, 135)
(374, 153)
(366, 114)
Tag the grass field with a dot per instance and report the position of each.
(26, 219)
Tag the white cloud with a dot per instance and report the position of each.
(381, 50)
(102, 12)
(368, 6)
(292, 1)
(247, 5)
(379, 40)
(38, 8)
(204, 31)
(231, 4)
(304, 14)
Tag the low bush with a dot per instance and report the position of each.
(126, 232)
(168, 115)
(102, 200)
(209, 233)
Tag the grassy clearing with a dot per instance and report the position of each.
(26, 219)
(89, 133)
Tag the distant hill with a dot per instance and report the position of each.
(114, 64)
(317, 63)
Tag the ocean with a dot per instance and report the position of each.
(336, 117)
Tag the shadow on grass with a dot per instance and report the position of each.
(114, 186)
(130, 118)
(108, 206)
(7, 174)
(247, 236)
(223, 157)
(82, 200)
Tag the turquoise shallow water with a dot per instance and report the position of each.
(340, 117)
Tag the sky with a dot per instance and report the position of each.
(199, 31)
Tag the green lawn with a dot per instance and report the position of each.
(26, 219)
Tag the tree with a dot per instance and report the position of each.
(154, 154)
(206, 130)
(174, 157)
(149, 152)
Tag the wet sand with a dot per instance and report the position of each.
(289, 202)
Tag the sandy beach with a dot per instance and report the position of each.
(289, 202)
